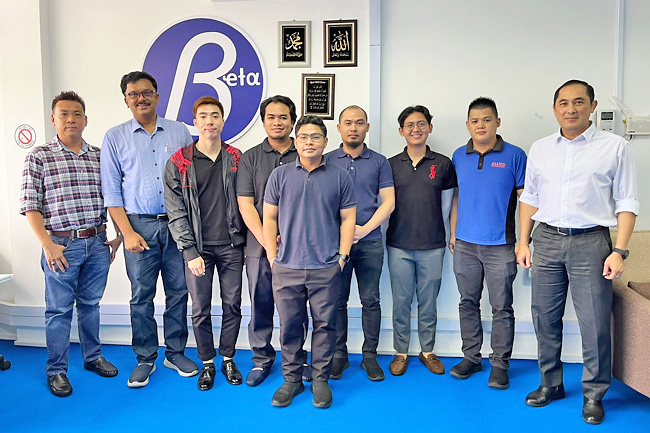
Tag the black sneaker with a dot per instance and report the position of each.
(285, 394)
(465, 369)
(338, 365)
(322, 394)
(498, 378)
(370, 365)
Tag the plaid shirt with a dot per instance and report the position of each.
(63, 186)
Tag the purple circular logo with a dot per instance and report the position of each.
(206, 57)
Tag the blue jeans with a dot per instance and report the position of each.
(84, 283)
(366, 259)
(415, 272)
(162, 258)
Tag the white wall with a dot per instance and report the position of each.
(437, 53)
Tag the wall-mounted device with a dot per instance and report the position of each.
(634, 125)
(605, 120)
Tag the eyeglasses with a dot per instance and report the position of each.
(421, 126)
(136, 95)
(314, 137)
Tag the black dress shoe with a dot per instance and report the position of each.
(4, 364)
(102, 367)
(59, 385)
(206, 378)
(230, 370)
(544, 395)
(592, 411)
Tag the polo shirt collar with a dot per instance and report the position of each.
(266, 146)
(58, 145)
(588, 134)
(322, 163)
(365, 153)
(135, 125)
(430, 154)
(498, 147)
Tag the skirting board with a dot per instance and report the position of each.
(25, 325)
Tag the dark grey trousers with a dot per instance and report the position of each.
(561, 262)
(292, 288)
(497, 265)
(229, 262)
(260, 327)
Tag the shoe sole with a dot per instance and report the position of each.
(167, 363)
(143, 383)
(559, 397)
(372, 378)
(288, 402)
(340, 375)
(101, 372)
(474, 369)
(592, 422)
(496, 385)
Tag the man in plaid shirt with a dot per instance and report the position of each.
(61, 197)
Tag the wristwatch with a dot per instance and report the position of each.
(345, 257)
(623, 253)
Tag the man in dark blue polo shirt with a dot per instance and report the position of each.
(491, 176)
(278, 115)
(416, 237)
(311, 205)
(373, 186)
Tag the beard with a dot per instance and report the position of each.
(354, 144)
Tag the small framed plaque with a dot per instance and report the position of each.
(340, 38)
(294, 41)
(318, 95)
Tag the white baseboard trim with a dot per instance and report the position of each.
(25, 325)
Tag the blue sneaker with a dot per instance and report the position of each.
(182, 364)
(140, 375)
(257, 375)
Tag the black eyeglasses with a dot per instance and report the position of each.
(136, 95)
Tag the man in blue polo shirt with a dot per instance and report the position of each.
(311, 205)
(373, 186)
(490, 175)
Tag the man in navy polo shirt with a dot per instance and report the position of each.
(416, 237)
(490, 178)
(311, 205)
(373, 186)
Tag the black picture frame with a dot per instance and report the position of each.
(340, 43)
(318, 95)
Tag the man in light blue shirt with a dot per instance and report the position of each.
(133, 160)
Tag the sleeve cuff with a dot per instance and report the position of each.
(190, 253)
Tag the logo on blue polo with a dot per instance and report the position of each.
(206, 57)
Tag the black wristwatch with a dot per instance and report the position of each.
(345, 257)
(623, 253)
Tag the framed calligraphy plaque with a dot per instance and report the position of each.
(318, 95)
(294, 44)
(340, 38)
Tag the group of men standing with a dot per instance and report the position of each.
(309, 220)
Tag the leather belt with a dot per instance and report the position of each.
(79, 234)
(572, 232)
(160, 216)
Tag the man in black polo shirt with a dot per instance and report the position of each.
(416, 237)
(311, 205)
(278, 115)
(205, 223)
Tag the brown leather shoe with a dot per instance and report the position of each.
(398, 365)
(432, 362)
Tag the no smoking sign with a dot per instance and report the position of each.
(25, 136)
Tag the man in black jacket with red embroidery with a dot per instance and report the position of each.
(204, 220)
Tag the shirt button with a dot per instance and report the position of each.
(351, 168)
(281, 162)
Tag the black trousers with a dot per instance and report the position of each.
(229, 262)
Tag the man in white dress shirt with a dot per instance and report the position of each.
(579, 182)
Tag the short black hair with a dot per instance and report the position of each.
(134, 76)
(590, 90)
(350, 107)
(68, 95)
(414, 109)
(281, 100)
(481, 103)
(311, 120)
